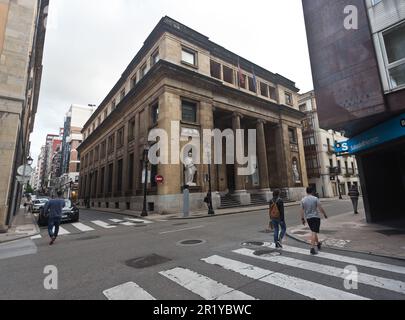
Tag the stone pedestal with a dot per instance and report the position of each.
(268, 195)
(216, 200)
(243, 197)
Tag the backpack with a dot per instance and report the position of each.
(274, 212)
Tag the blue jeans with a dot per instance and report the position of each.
(53, 223)
(279, 236)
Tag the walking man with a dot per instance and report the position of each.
(54, 209)
(354, 196)
(277, 218)
(310, 208)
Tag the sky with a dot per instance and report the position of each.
(89, 43)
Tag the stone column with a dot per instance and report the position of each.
(125, 173)
(240, 192)
(262, 158)
(283, 162)
(136, 177)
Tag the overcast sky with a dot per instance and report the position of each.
(89, 43)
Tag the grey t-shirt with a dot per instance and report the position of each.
(310, 206)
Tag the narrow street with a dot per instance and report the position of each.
(96, 260)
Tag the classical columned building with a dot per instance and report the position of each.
(183, 83)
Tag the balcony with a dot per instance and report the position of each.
(349, 173)
(334, 171)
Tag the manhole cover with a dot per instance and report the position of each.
(146, 262)
(267, 252)
(193, 242)
(253, 243)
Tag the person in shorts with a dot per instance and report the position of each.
(310, 213)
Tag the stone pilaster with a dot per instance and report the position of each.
(262, 156)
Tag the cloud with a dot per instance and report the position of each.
(90, 43)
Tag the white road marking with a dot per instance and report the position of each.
(375, 281)
(129, 224)
(306, 288)
(103, 224)
(203, 286)
(127, 291)
(179, 230)
(82, 227)
(345, 259)
(63, 231)
(139, 220)
(116, 220)
(36, 237)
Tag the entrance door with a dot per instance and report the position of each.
(230, 174)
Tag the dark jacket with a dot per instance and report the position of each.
(280, 206)
(55, 208)
(354, 193)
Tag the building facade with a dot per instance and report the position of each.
(359, 80)
(326, 171)
(22, 34)
(183, 83)
(75, 119)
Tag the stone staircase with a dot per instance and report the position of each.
(228, 201)
(258, 200)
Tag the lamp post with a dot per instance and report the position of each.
(145, 185)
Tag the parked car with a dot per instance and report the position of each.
(38, 204)
(70, 213)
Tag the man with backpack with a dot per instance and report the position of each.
(277, 218)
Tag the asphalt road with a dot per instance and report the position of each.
(101, 263)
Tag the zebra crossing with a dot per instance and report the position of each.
(94, 225)
(306, 276)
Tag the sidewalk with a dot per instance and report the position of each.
(23, 226)
(352, 233)
(193, 215)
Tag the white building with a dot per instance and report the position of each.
(325, 170)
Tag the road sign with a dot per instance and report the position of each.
(159, 179)
(25, 170)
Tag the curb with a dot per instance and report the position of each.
(348, 250)
(37, 232)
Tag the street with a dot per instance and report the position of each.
(99, 259)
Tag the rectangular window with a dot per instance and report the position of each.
(119, 175)
(131, 171)
(189, 111)
(105, 114)
(252, 85)
(120, 138)
(189, 56)
(111, 145)
(155, 113)
(133, 81)
(102, 180)
(154, 58)
(242, 80)
(331, 163)
(131, 130)
(394, 41)
(288, 98)
(273, 93)
(215, 70)
(103, 149)
(97, 154)
(113, 105)
(143, 71)
(122, 94)
(292, 134)
(264, 89)
(110, 177)
(228, 74)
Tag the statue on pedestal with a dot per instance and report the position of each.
(190, 171)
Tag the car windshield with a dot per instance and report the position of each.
(40, 201)
(68, 204)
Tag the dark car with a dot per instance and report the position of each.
(38, 204)
(70, 213)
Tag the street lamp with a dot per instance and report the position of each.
(145, 185)
(30, 161)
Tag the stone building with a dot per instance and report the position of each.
(22, 35)
(180, 75)
(326, 171)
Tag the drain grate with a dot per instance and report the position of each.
(253, 243)
(146, 262)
